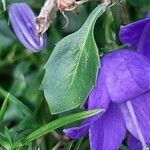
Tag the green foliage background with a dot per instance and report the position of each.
(21, 72)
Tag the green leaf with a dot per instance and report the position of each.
(5, 144)
(7, 135)
(77, 147)
(139, 3)
(4, 107)
(69, 145)
(72, 67)
(6, 36)
(19, 83)
(5, 138)
(4, 4)
(50, 127)
(22, 106)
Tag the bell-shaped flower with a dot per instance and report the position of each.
(23, 21)
(123, 91)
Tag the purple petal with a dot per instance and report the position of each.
(144, 44)
(77, 132)
(134, 144)
(127, 75)
(131, 33)
(99, 97)
(141, 106)
(23, 22)
(107, 133)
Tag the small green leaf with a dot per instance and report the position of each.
(50, 127)
(5, 144)
(72, 67)
(4, 107)
(26, 110)
(7, 134)
(5, 137)
(4, 4)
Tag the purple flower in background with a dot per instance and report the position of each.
(23, 22)
(123, 91)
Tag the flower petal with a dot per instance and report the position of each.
(133, 143)
(141, 106)
(99, 97)
(77, 132)
(131, 33)
(127, 75)
(144, 44)
(23, 22)
(107, 133)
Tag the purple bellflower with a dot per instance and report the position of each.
(123, 91)
(23, 21)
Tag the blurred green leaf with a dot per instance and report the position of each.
(77, 147)
(23, 107)
(4, 107)
(4, 4)
(5, 144)
(139, 3)
(19, 83)
(30, 147)
(50, 127)
(72, 67)
(69, 145)
(110, 33)
(5, 138)
(27, 125)
(6, 36)
(32, 92)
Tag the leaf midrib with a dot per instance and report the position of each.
(80, 55)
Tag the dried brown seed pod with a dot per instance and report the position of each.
(48, 12)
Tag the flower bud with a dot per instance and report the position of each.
(23, 21)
